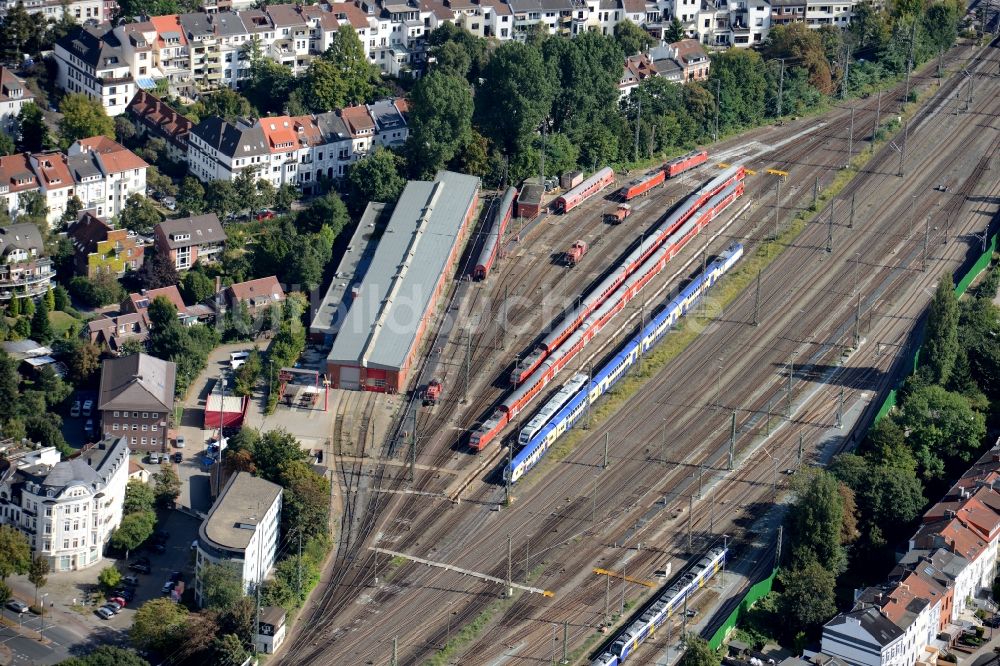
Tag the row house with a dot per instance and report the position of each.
(54, 10)
(67, 509)
(295, 150)
(949, 566)
(122, 174)
(679, 62)
(24, 270)
(111, 332)
(154, 118)
(99, 248)
(14, 94)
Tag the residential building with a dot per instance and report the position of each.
(66, 508)
(136, 400)
(54, 10)
(257, 295)
(100, 248)
(113, 331)
(55, 182)
(241, 530)
(189, 240)
(138, 302)
(92, 61)
(389, 116)
(137, 472)
(14, 94)
(679, 62)
(154, 118)
(122, 174)
(864, 637)
(219, 150)
(24, 270)
(17, 178)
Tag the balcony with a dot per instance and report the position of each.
(114, 80)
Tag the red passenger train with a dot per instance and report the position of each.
(571, 342)
(685, 163)
(585, 190)
(491, 248)
(596, 297)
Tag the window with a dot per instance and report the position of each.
(153, 427)
(76, 525)
(135, 415)
(145, 415)
(116, 413)
(66, 526)
(65, 543)
(135, 426)
(114, 427)
(133, 441)
(144, 441)
(144, 426)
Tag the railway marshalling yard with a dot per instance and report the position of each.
(667, 492)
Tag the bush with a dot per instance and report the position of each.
(37, 610)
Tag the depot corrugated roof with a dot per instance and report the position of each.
(381, 326)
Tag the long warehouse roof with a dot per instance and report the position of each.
(381, 326)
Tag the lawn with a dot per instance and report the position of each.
(61, 323)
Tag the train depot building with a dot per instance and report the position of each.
(380, 337)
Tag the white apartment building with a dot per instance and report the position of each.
(122, 174)
(241, 530)
(14, 94)
(67, 508)
(53, 10)
(92, 61)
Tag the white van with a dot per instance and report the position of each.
(236, 359)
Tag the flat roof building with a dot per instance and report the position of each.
(381, 334)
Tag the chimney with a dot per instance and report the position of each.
(218, 284)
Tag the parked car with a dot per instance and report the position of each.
(176, 576)
(117, 601)
(125, 593)
(88, 427)
(237, 359)
(105, 613)
(75, 409)
(168, 587)
(88, 407)
(17, 606)
(141, 565)
(178, 457)
(180, 441)
(131, 581)
(264, 215)
(155, 458)
(170, 203)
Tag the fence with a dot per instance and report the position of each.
(762, 588)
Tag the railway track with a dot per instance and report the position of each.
(562, 517)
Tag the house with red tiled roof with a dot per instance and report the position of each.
(55, 182)
(112, 332)
(257, 295)
(154, 117)
(16, 178)
(139, 302)
(107, 174)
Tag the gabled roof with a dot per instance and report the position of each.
(52, 170)
(140, 301)
(386, 115)
(96, 46)
(156, 114)
(200, 229)
(232, 140)
(111, 155)
(257, 292)
(24, 236)
(137, 381)
(285, 16)
(16, 173)
(357, 119)
(87, 231)
(12, 87)
(279, 132)
(168, 27)
(351, 13)
(871, 621)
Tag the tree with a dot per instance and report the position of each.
(41, 327)
(743, 88)
(9, 386)
(306, 504)
(109, 578)
(229, 647)
(273, 451)
(82, 362)
(323, 87)
(196, 286)
(133, 531)
(798, 43)
(328, 209)
(674, 32)
(221, 586)
(450, 58)
(285, 196)
(515, 96)
(220, 198)
(815, 523)
(248, 373)
(139, 214)
(103, 289)
(270, 84)
(168, 485)
(886, 496)
(159, 625)
(440, 121)
(106, 655)
(7, 146)
(21, 33)
(157, 271)
(377, 177)
(698, 653)
(34, 133)
(941, 333)
(227, 103)
(942, 426)
(38, 573)
(138, 497)
(15, 553)
(807, 598)
(83, 118)
(631, 38)
(347, 54)
(191, 199)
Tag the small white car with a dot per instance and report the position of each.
(17, 606)
(105, 613)
(180, 441)
(88, 407)
(75, 409)
(237, 359)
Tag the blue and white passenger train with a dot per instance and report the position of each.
(667, 603)
(540, 442)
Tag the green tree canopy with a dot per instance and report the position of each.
(106, 655)
(347, 54)
(631, 38)
(41, 328)
(138, 497)
(34, 133)
(133, 531)
(698, 653)
(807, 598)
(83, 118)
(815, 523)
(139, 214)
(941, 333)
(515, 96)
(942, 426)
(306, 504)
(221, 586)
(440, 121)
(376, 177)
(109, 578)
(15, 553)
(167, 487)
(451, 59)
(159, 625)
(38, 573)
